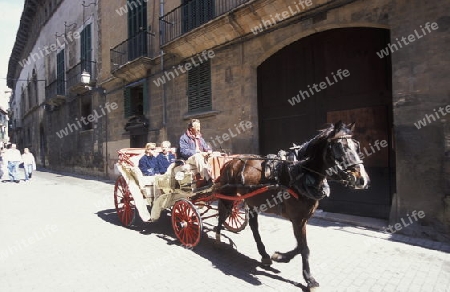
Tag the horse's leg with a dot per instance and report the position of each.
(224, 213)
(302, 248)
(304, 251)
(253, 222)
(286, 257)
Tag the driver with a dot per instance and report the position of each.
(195, 151)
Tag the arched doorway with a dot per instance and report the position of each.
(325, 77)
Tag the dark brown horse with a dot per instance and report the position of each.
(297, 188)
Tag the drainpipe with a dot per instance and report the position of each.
(161, 36)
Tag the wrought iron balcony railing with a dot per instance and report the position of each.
(55, 89)
(131, 49)
(192, 14)
(74, 74)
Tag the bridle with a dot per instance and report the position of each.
(339, 160)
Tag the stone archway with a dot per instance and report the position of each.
(364, 96)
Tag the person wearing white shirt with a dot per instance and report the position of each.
(29, 163)
(14, 158)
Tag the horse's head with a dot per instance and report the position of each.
(343, 157)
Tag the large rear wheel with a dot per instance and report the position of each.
(186, 223)
(124, 202)
(238, 219)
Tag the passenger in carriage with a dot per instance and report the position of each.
(165, 158)
(195, 151)
(148, 164)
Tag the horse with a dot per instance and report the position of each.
(297, 188)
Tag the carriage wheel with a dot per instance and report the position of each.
(186, 223)
(124, 202)
(238, 219)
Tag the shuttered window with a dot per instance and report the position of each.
(136, 100)
(199, 88)
(137, 27)
(86, 48)
(60, 74)
(196, 12)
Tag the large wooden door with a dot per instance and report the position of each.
(364, 97)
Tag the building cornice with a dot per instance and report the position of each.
(22, 38)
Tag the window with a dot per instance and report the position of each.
(196, 12)
(30, 95)
(60, 74)
(22, 104)
(199, 88)
(86, 49)
(137, 29)
(35, 86)
(86, 110)
(136, 100)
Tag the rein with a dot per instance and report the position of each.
(341, 181)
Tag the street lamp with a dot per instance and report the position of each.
(85, 77)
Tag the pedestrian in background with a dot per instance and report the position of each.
(3, 164)
(14, 158)
(29, 163)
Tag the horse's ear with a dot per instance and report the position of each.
(351, 126)
(338, 126)
(338, 131)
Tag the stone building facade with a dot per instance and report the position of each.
(263, 50)
(55, 42)
(271, 65)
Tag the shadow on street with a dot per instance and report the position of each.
(225, 256)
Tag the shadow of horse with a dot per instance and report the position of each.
(231, 262)
(247, 269)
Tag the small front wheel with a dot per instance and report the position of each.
(238, 219)
(186, 223)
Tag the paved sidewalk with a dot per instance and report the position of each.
(61, 233)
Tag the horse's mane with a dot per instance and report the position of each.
(308, 148)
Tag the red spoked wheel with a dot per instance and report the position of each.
(186, 223)
(124, 202)
(238, 219)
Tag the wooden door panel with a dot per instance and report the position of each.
(364, 97)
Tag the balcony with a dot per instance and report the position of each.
(200, 25)
(132, 57)
(55, 92)
(193, 14)
(74, 84)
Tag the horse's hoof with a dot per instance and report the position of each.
(313, 286)
(266, 262)
(280, 258)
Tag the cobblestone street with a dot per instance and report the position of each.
(61, 233)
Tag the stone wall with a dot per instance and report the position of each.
(419, 82)
(419, 72)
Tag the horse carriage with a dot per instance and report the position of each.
(179, 189)
(289, 187)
